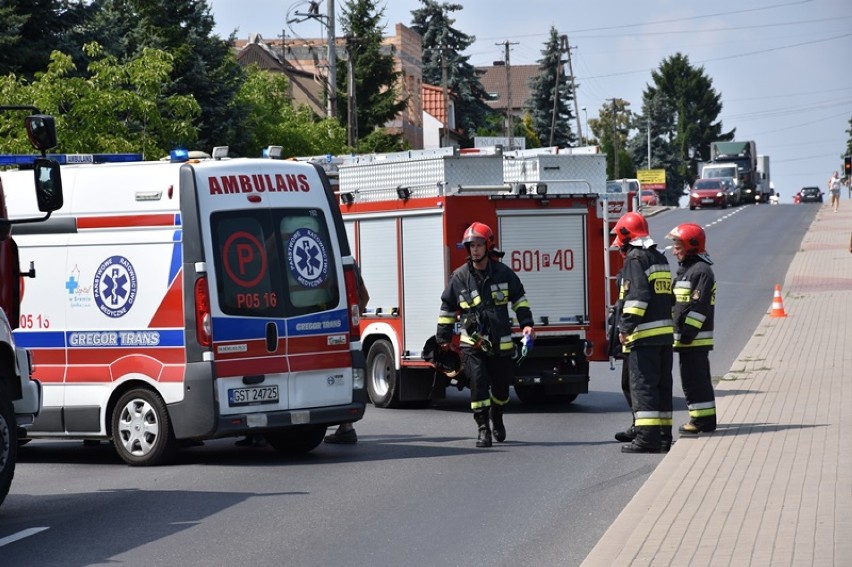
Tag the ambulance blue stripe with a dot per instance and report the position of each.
(319, 324)
(118, 338)
(245, 328)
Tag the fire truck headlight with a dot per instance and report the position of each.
(541, 189)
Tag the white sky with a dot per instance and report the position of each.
(783, 67)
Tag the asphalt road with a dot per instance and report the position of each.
(414, 491)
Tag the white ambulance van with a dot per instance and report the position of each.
(187, 301)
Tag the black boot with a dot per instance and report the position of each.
(497, 423)
(481, 417)
(627, 435)
(665, 438)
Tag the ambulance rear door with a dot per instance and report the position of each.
(280, 328)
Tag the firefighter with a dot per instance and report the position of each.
(693, 313)
(619, 351)
(480, 292)
(646, 329)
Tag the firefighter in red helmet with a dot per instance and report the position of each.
(645, 329)
(693, 314)
(480, 293)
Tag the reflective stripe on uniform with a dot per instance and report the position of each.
(480, 404)
(702, 409)
(649, 419)
(651, 329)
(635, 307)
(702, 339)
(474, 300)
(497, 402)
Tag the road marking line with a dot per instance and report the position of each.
(21, 535)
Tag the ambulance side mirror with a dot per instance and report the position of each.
(48, 184)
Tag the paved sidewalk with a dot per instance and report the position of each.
(773, 485)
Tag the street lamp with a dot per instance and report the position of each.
(586, 125)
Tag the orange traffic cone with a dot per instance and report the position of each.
(777, 304)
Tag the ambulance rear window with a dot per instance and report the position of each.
(274, 263)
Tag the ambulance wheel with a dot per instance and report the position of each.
(8, 443)
(382, 375)
(296, 440)
(141, 429)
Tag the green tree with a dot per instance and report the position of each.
(611, 128)
(550, 97)
(695, 108)
(272, 119)
(442, 55)
(30, 30)
(377, 89)
(849, 141)
(121, 107)
(658, 116)
(204, 66)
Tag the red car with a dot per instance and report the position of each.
(649, 198)
(708, 193)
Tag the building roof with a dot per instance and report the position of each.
(493, 79)
(433, 101)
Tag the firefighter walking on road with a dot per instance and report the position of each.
(480, 292)
(693, 313)
(646, 329)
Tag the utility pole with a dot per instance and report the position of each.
(446, 90)
(510, 126)
(556, 88)
(567, 49)
(352, 104)
(332, 63)
(614, 140)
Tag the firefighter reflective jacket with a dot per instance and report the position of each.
(646, 286)
(482, 299)
(695, 304)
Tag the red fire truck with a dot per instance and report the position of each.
(405, 215)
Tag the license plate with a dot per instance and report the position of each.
(706, 200)
(253, 395)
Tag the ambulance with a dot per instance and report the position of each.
(190, 299)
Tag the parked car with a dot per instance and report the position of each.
(810, 195)
(711, 192)
(649, 198)
(622, 186)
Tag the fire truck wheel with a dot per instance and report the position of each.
(141, 429)
(8, 443)
(296, 440)
(382, 375)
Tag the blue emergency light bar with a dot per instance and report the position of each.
(69, 159)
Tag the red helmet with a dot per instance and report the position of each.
(481, 231)
(691, 235)
(628, 228)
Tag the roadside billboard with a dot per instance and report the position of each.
(652, 179)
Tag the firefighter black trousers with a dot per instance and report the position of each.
(698, 387)
(651, 393)
(489, 376)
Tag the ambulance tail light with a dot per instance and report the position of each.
(203, 325)
(350, 278)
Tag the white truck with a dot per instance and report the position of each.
(764, 184)
(20, 395)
